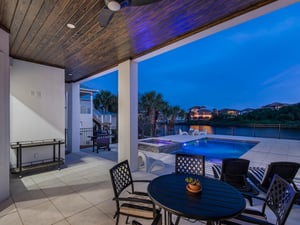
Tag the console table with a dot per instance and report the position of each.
(22, 145)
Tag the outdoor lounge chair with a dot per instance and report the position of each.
(280, 198)
(262, 177)
(128, 201)
(148, 163)
(183, 132)
(234, 172)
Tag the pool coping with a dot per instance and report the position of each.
(267, 150)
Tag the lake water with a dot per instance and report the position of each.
(282, 133)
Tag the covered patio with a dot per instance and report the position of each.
(81, 193)
(42, 64)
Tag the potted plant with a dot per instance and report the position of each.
(193, 185)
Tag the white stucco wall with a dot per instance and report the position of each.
(4, 115)
(37, 101)
(86, 121)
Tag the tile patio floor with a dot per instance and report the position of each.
(81, 193)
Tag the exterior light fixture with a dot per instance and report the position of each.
(70, 25)
(113, 5)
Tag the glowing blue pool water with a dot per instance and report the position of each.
(216, 149)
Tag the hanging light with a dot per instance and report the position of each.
(113, 5)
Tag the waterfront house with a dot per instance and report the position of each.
(199, 113)
(47, 48)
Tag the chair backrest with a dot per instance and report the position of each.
(234, 171)
(190, 164)
(286, 170)
(280, 198)
(121, 177)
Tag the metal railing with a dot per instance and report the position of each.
(255, 130)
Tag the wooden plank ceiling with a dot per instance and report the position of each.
(38, 31)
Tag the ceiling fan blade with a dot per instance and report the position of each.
(142, 2)
(105, 16)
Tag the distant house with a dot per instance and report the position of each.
(199, 113)
(86, 115)
(229, 112)
(91, 119)
(275, 106)
(86, 107)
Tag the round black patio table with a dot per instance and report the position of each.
(216, 201)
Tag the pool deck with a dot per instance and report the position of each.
(267, 150)
(81, 192)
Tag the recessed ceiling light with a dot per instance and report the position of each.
(70, 74)
(113, 5)
(70, 25)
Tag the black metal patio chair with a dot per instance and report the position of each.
(157, 220)
(262, 177)
(190, 164)
(130, 202)
(234, 172)
(279, 199)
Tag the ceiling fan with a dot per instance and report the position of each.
(112, 6)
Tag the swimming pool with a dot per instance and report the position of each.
(216, 149)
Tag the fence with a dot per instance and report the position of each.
(257, 130)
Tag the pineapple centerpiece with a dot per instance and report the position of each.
(193, 185)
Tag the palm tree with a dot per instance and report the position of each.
(171, 113)
(106, 102)
(151, 103)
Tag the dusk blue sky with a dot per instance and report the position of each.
(247, 66)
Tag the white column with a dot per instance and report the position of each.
(91, 105)
(73, 137)
(4, 115)
(128, 113)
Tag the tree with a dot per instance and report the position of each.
(106, 102)
(150, 104)
(171, 113)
